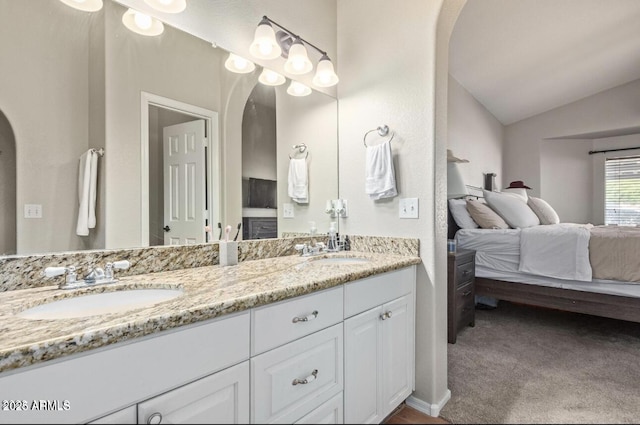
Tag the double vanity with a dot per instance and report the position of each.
(290, 339)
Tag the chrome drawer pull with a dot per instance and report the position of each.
(385, 316)
(306, 318)
(466, 272)
(306, 380)
(466, 294)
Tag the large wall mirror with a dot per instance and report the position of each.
(74, 81)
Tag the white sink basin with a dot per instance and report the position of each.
(102, 303)
(339, 260)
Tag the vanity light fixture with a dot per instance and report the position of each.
(271, 78)
(298, 89)
(168, 6)
(269, 45)
(84, 5)
(141, 23)
(238, 64)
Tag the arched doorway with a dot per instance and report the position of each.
(7, 187)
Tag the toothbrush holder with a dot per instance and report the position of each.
(228, 253)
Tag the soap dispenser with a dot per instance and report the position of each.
(332, 244)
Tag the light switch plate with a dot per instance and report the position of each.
(287, 211)
(32, 211)
(408, 208)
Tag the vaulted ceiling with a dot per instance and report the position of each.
(520, 58)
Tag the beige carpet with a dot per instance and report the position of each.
(528, 365)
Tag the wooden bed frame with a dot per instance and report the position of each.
(612, 306)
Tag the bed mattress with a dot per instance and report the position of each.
(498, 257)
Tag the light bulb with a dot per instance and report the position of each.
(84, 5)
(271, 78)
(298, 89)
(325, 75)
(298, 62)
(265, 48)
(142, 21)
(238, 64)
(264, 45)
(168, 6)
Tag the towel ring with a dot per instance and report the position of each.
(302, 148)
(383, 131)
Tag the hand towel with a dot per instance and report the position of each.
(298, 185)
(87, 192)
(380, 179)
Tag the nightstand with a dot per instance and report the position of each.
(461, 296)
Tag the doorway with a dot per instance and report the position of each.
(8, 207)
(201, 207)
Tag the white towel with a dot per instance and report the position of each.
(298, 186)
(380, 179)
(87, 192)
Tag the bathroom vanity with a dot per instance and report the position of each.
(282, 340)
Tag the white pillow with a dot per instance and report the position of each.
(543, 210)
(461, 216)
(512, 209)
(517, 191)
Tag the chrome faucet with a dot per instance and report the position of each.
(307, 250)
(97, 275)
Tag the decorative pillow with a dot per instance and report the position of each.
(485, 216)
(516, 191)
(458, 208)
(543, 210)
(512, 209)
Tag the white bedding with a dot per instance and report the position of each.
(498, 257)
(560, 251)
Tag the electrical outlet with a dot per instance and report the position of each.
(287, 211)
(32, 211)
(408, 208)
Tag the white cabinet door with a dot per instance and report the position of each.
(362, 366)
(379, 361)
(221, 398)
(397, 352)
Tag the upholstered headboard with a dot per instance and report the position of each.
(452, 226)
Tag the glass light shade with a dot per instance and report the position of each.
(264, 44)
(238, 64)
(168, 6)
(325, 75)
(455, 184)
(271, 78)
(142, 24)
(84, 5)
(298, 89)
(298, 62)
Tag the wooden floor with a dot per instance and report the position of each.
(408, 415)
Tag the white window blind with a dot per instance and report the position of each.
(622, 191)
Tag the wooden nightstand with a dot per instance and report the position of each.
(461, 279)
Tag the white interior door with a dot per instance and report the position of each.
(184, 183)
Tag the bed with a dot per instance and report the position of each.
(510, 267)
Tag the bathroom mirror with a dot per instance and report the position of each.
(72, 81)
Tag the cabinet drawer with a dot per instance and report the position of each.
(465, 305)
(464, 273)
(364, 294)
(465, 294)
(278, 396)
(277, 324)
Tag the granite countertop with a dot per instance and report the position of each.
(209, 292)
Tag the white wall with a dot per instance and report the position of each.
(382, 84)
(612, 109)
(475, 135)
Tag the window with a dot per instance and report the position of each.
(622, 191)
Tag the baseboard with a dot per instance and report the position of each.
(426, 408)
